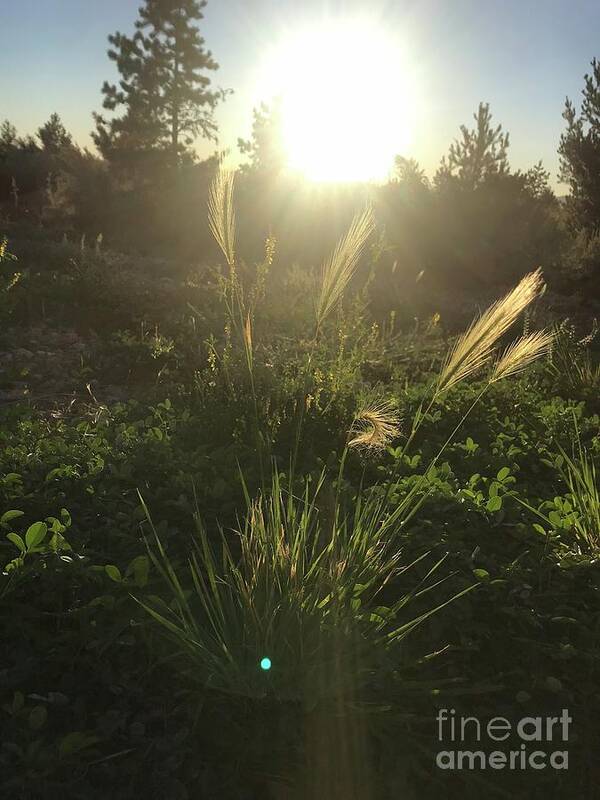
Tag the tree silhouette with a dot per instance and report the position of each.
(265, 146)
(53, 135)
(8, 136)
(408, 172)
(163, 90)
(536, 181)
(579, 152)
(478, 154)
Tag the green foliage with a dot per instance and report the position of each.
(118, 708)
(41, 539)
(236, 398)
(578, 512)
(573, 362)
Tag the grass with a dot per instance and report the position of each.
(474, 349)
(339, 268)
(221, 213)
(375, 427)
(579, 473)
(304, 592)
(350, 567)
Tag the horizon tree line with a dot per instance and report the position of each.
(164, 100)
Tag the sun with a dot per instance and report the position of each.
(346, 100)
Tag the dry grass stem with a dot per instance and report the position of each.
(374, 427)
(340, 267)
(474, 348)
(248, 333)
(221, 214)
(521, 353)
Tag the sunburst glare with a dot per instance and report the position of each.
(348, 109)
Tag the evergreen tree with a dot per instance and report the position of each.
(53, 135)
(408, 172)
(579, 152)
(536, 181)
(265, 147)
(8, 136)
(163, 90)
(477, 155)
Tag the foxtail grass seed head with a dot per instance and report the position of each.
(521, 353)
(221, 214)
(248, 332)
(341, 265)
(587, 340)
(374, 427)
(474, 348)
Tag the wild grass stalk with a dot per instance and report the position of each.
(336, 273)
(374, 427)
(475, 348)
(520, 354)
(339, 268)
(221, 213)
(571, 359)
(221, 217)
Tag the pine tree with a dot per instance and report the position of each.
(477, 155)
(536, 182)
(53, 135)
(163, 90)
(265, 148)
(579, 152)
(408, 172)
(8, 136)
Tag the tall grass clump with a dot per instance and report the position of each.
(579, 474)
(571, 360)
(335, 275)
(297, 588)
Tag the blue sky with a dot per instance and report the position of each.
(522, 56)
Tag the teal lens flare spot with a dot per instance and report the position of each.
(265, 663)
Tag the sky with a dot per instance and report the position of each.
(522, 56)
